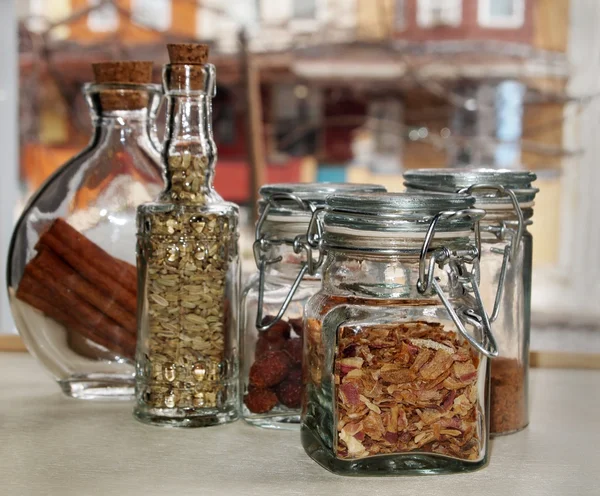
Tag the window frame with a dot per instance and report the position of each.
(425, 19)
(294, 15)
(165, 20)
(9, 141)
(102, 25)
(303, 25)
(487, 20)
(399, 15)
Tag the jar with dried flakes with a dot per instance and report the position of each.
(273, 301)
(187, 354)
(507, 196)
(397, 344)
(71, 273)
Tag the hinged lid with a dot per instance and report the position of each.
(398, 212)
(295, 200)
(454, 180)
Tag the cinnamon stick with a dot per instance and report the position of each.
(81, 311)
(113, 277)
(37, 295)
(102, 261)
(63, 272)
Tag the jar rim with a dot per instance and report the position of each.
(453, 180)
(400, 212)
(298, 199)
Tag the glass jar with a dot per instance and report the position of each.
(506, 257)
(397, 343)
(187, 353)
(71, 275)
(273, 301)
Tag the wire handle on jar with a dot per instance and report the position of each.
(440, 257)
(425, 278)
(500, 192)
(511, 250)
(262, 245)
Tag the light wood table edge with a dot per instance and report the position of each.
(538, 359)
(11, 342)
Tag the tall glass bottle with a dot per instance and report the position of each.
(188, 270)
(70, 272)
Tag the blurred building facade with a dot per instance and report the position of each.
(353, 90)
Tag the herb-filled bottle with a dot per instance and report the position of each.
(188, 270)
(71, 266)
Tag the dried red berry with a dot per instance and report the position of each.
(280, 330)
(264, 345)
(293, 348)
(294, 376)
(270, 369)
(259, 400)
(290, 393)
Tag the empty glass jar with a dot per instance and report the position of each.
(71, 266)
(273, 300)
(397, 342)
(506, 257)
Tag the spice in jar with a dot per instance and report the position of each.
(275, 377)
(508, 411)
(405, 387)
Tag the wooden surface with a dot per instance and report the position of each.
(50, 445)
(11, 342)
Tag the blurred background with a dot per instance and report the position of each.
(346, 90)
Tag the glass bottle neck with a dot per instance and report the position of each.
(189, 151)
(124, 125)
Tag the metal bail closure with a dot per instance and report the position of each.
(427, 280)
(262, 245)
(511, 250)
(500, 192)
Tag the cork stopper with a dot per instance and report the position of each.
(186, 70)
(135, 72)
(188, 53)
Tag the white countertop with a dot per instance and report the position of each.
(50, 445)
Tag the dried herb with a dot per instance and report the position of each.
(407, 387)
(188, 260)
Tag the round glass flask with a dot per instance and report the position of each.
(71, 267)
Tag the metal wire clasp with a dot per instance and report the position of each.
(440, 257)
(511, 250)
(303, 242)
